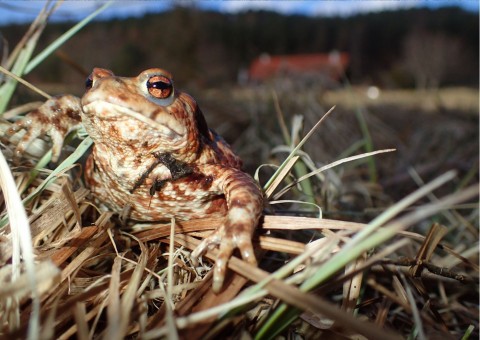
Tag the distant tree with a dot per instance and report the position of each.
(175, 42)
(430, 57)
(127, 59)
(212, 47)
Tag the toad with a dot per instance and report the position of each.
(155, 156)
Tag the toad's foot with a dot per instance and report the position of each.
(57, 117)
(227, 238)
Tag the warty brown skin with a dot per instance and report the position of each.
(154, 154)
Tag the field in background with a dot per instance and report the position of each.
(433, 131)
(460, 100)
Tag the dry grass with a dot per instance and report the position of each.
(74, 270)
(112, 282)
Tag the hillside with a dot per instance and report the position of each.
(210, 48)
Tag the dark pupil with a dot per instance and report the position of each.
(88, 83)
(161, 85)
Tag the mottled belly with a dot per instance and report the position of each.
(185, 198)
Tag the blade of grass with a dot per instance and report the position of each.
(311, 206)
(300, 168)
(353, 148)
(69, 161)
(63, 38)
(114, 316)
(172, 330)
(24, 82)
(299, 145)
(22, 53)
(281, 175)
(8, 88)
(367, 138)
(47, 157)
(372, 167)
(328, 166)
(468, 332)
(40, 20)
(21, 242)
(281, 119)
(418, 329)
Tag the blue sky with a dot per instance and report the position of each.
(25, 10)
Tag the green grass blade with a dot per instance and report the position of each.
(372, 167)
(63, 38)
(69, 161)
(367, 138)
(22, 54)
(8, 88)
(326, 167)
(47, 157)
(468, 332)
(294, 151)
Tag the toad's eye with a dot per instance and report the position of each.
(89, 82)
(160, 87)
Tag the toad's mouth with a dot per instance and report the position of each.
(164, 124)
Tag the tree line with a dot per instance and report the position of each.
(391, 48)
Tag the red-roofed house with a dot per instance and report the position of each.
(330, 65)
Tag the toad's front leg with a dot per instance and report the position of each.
(56, 117)
(245, 204)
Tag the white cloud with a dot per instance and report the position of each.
(312, 7)
(233, 6)
(363, 6)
